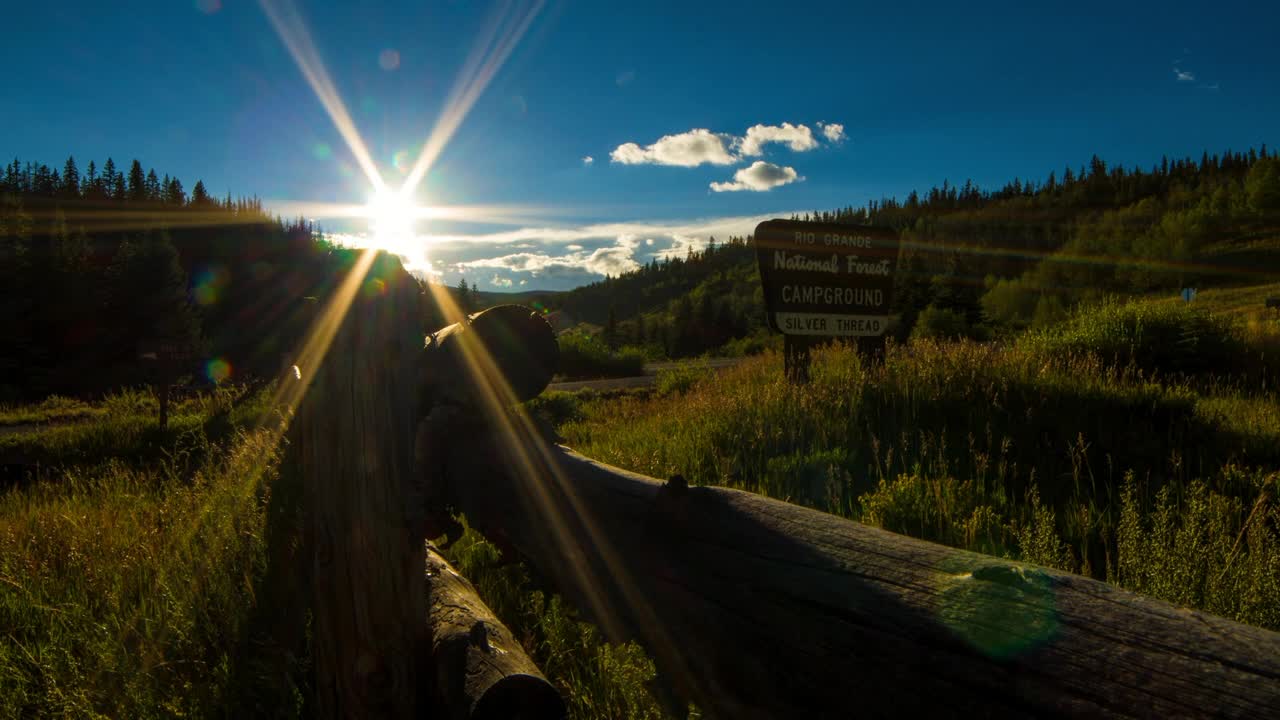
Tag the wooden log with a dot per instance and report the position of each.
(356, 460)
(482, 672)
(510, 342)
(753, 607)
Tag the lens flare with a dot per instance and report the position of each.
(218, 370)
(209, 284)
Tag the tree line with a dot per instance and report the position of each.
(98, 267)
(979, 261)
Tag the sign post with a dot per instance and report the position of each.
(164, 357)
(825, 280)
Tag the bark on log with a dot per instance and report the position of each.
(363, 508)
(482, 672)
(753, 607)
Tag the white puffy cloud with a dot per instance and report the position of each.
(797, 137)
(688, 149)
(601, 261)
(1184, 75)
(500, 281)
(759, 177)
(565, 257)
(572, 238)
(833, 132)
(701, 146)
(587, 160)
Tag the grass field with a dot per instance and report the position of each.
(129, 567)
(1165, 483)
(141, 570)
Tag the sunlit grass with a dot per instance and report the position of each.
(598, 680)
(126, 591)
(53, 409)
(1064, 459)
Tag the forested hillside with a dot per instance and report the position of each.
(96, 265)
(981, 261)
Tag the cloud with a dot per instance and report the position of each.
(1184, 75)
(797, 137)
(759, 177)
(566, 257)
(689, 149)
(625, 78)
(833, 132)
(574, 238)
(588, 160)
(601, 261)
(701, 146)
(500, 281)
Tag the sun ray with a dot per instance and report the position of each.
(293, 33)
(533, 461)
(490, 53)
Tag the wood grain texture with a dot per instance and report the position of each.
(356, 459)
(753, 607)
(482, 672)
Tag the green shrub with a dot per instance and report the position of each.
(678, 379)
(1173, 339)
(586, 356)
(752, 344)
(940, 323)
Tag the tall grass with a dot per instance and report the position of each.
(132, 564)
(1062, 459)
(598, 680)
(125, 592)
(1171, 339)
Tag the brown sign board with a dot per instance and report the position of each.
(826, 279)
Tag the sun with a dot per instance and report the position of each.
(391, 216)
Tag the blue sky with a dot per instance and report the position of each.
(850, 102)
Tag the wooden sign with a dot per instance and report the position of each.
(826, 279)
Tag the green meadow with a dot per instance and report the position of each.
(1137, 442)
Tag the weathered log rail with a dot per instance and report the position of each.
(482, 672)
(753, 607)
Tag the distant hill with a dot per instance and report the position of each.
(986, 260)
(488, 298)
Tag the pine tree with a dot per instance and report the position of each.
(611, 328)
(70, 179)
(136, 190)
(153, 187)
(149, 297)
(89, 183)
(464, 295)
(199, 196)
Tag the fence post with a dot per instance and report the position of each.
(355, 451)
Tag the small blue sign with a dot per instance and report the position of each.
(1188, 294)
